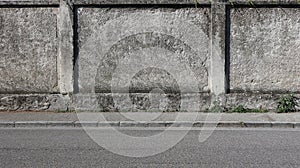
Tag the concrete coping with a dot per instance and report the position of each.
(186, 2)
(150, 2)
(29, 2)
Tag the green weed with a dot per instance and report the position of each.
(286, 104)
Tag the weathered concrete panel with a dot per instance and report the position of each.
(265, 45)
(121, 43)
(142, 52)
(28, 50)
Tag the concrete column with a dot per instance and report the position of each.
(65, 55)
(218, 36)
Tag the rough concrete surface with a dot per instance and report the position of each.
(29, 2)
(130, 40)
(141, 102)
(89, 2)
(183, 2)
(161, 57)
(34, 102)
(264, 2)
(28, 50)
(135, 102)
(136, 50)
(65, 57)
(257, 101)
(264, 49)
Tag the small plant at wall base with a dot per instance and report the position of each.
(238, 109)
(287, 104)
(243, 109)
(261, 110)
(216, 108)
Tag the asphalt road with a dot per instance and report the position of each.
(57, 147)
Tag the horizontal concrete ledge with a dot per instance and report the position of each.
(43, 124)
(7, 124)
(185, 124)
(149, 2)
(185, 2)
(270, 124)
(257, 124)
(263, 2)
(138, 2)
(29, 2)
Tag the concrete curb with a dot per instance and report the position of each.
(227, 124)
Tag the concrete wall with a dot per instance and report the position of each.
(28, 49)
(106, 55)
(265, 49)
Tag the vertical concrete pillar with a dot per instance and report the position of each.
(218, 36)
(65, 55)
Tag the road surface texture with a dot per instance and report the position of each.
(72, 147)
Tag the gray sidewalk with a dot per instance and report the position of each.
(51, 119)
